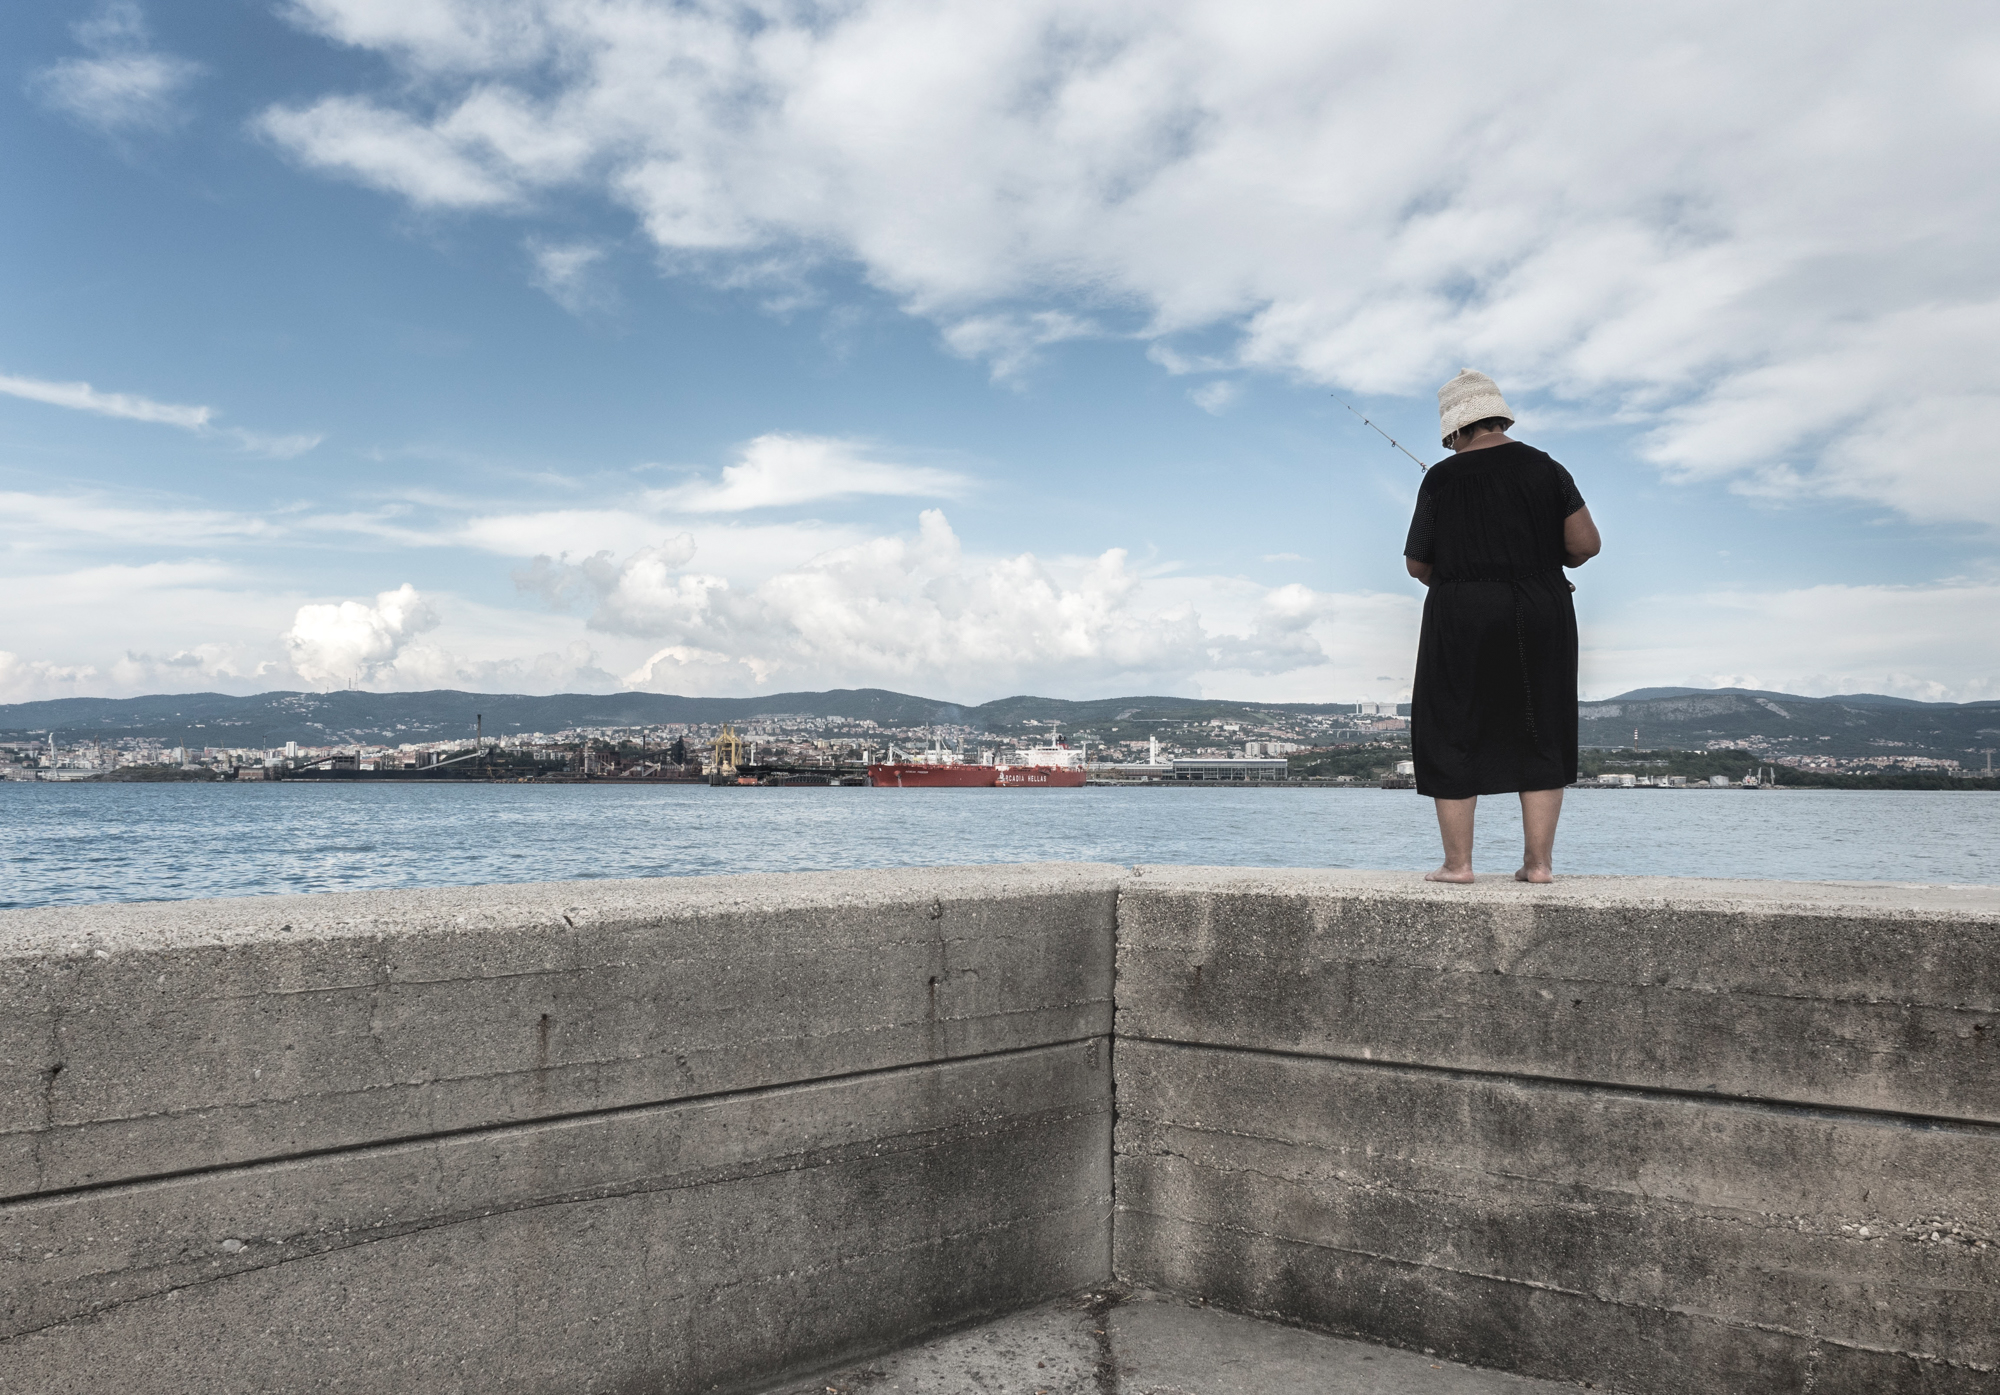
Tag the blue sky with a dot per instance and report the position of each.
(970, 351)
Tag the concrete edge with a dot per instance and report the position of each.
(504, 906)
(1877, 899)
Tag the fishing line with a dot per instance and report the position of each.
(1380, 432)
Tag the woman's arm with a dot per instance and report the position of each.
(1580, 540)
(1420, 570)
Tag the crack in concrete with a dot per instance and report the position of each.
(1979, 1128)
(511, 1125)
(1098, 1307)
(586, 1064)
(834, 1266)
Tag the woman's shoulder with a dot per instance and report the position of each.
(1516, 459)
(1508, 454)
(1528, 457)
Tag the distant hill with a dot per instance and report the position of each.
(1853, 699)
(1848, 725)
(1686, 718)
(271, 719)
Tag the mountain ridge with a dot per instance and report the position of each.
(1688, 718)
(270, 719)
(1875, 699)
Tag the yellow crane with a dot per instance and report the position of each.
(728, 751)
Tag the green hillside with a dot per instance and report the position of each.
(1783, 724)
(1688, 719)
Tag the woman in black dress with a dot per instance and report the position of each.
(1493, 710)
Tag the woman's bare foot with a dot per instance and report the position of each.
(1449, 873)
(1535, 874)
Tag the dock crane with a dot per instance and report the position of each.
(728, 748)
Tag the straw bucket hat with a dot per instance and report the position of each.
(1470, 397)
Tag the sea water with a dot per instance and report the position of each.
(74, 843)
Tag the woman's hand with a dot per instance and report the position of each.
(1580, 540)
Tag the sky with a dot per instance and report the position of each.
(971, 350)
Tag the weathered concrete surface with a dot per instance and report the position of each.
(140, 1040)
(1646, 1243)
(1866, 995)
(671, 1248)
(1554, 1130)
(673, 1137)
(1153, 1344)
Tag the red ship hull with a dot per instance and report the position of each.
(907, 775)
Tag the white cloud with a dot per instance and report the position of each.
(39, 522)
(417, 667)
(286, 447)
(349, 642)
(730, 610)
(127, 86)
(776, 470)
(565, 272)
(902, 611)
(746, 552)
(121, 628)
(1753, 228)
(82, 397)
(1937, 643)
(202, 625)
(1896, 411)
(35, 680)
(388, 150)
(1216, 397)
(445, 35)
(914, 611)
(773, 471)
(49, 603)
(393, 645)
(1009, 342)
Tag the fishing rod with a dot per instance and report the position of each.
(1379, 432)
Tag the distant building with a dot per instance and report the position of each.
(1227, 768)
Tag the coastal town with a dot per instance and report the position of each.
(1359, 744)
(789, 744)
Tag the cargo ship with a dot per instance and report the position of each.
(1054, 766)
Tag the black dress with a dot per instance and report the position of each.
(1493, 709)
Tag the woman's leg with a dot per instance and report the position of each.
(1539, 811)
(1455, 827)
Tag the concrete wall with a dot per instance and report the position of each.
(1658, 1136)
(686, 1135)
(641, 1136)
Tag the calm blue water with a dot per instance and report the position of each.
(68, 843)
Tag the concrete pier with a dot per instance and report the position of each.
(1661, 1136)
(694, 1135)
